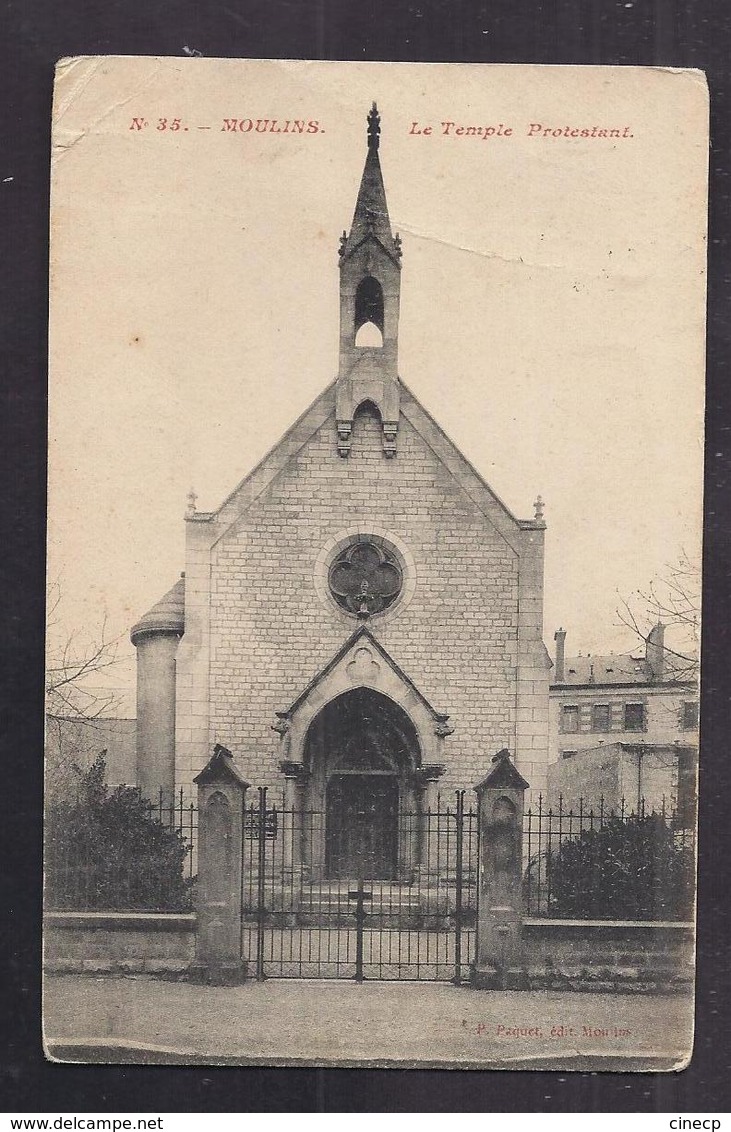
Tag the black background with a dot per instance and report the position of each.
(660, 32)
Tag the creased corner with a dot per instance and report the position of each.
(73, 76)
(683, 1061)
(694, 74)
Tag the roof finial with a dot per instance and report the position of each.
(192, 500)
(374, 127)
(539, 505)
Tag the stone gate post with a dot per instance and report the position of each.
(500, 920)
(221, 798)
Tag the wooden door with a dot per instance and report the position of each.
(362, 827)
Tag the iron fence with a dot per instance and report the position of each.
(317, 904)
(597, 862)
(124, 852)
(120, 851)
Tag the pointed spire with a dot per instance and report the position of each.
(371, 210)
(374, 127)
(370, 281)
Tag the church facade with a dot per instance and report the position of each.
(360, 622)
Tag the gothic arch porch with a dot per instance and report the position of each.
(361, 748)
(362, 759)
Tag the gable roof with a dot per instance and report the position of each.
(221, 768)
(252, 486)
(503, 776)
(273, 462)
(623, 668)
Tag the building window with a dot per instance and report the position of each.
(569, 718)
(689, 716)
(634, 717)
(365, 578)
(567, 754)
(601, 717)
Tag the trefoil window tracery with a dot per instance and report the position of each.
(365, 579)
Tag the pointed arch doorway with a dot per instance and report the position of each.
(362, 752)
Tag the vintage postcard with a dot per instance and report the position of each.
(375, 496)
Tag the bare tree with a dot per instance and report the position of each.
(76, 706)
(674, 600)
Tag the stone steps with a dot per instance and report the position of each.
(396, 905)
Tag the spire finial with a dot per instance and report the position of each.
(374, 127)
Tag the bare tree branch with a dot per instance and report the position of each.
(674, 600)
(74, 704)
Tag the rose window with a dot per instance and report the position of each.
(365, 579)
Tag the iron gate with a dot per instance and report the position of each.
(413, 920)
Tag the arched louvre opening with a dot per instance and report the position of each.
(369, 307)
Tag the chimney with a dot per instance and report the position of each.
(560, 638)
(655, 652)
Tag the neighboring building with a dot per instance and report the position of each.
(629, 776)
(75, 742)
(623, 726)
(359, 597)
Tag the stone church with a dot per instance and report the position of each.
(360, 621)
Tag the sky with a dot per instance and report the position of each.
(552, 304)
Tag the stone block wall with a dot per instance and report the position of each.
(97, 942)
(605, 955)
(615, 774)
(259, 628)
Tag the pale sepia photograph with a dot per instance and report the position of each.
(374, 541)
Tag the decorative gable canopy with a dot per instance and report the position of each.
(221, 768)
(362, 662)
(503, 775)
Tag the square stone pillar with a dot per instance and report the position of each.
(221, 799)
(296, 777)
(500, 797)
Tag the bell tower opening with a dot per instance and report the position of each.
(369, 313)
(370, 282)
(369, 337)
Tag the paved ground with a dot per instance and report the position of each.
(141, 1019)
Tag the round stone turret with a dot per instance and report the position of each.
(166, 616)
(156, 636)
